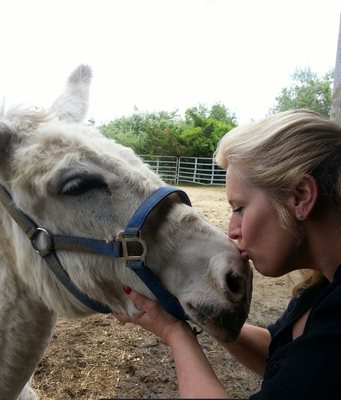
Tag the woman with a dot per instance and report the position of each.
(283, 182)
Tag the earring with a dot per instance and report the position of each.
(300, 217)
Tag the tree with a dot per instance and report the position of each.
(204, 128)
(307, 91)
(146, 133)
(165, 133)
(220, 113)
(125, 131)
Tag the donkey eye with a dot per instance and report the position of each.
(77, 186)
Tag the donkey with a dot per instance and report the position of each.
(71, 237)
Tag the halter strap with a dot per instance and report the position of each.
(117, 249)
(169, 302)
(32, 231)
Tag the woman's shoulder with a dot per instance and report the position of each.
(319, 298)
(326, 310)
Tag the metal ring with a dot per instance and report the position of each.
(125, 251)
(48, 241)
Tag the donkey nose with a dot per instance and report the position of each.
(235, 283)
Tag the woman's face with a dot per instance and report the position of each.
(255, 226)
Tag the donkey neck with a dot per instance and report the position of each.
(26, 326)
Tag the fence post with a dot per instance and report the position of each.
(335, 113)
(195, 169)
(212, 171)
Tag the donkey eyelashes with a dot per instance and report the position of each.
(75, 180)
(79, 185)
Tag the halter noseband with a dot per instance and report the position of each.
(118, 248)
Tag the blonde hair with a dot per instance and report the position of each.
(276, 152)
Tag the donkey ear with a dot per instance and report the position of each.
(72, 104)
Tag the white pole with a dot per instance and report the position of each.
(335, 113)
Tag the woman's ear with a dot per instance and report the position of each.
(304, 197)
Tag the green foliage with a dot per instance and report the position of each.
(143, 132)
(165, 133)
(307, 91)
(204, 129)
(199, 131)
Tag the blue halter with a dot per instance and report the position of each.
(116, 249)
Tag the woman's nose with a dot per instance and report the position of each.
(233, 229)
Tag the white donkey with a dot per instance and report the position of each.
(66, 195)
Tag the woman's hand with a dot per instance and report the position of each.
(154, 318)
(196, 377)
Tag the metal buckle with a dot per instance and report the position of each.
(125, 253)
(46, 241)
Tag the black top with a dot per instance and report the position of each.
(308, 367)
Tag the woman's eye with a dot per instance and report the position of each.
(238, 210)
(77, 186)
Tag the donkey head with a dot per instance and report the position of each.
(71, 180)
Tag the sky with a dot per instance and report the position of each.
(164, 54)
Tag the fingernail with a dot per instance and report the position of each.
(127, 289)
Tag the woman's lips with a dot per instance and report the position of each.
(244, 255)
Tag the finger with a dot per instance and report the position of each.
(125, 318)
(151, 308)
(141, 301)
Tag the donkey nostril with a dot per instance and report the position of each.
(234, 281)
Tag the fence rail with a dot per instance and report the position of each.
(199, 170)
(164, 166)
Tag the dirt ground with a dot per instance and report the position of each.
(97, 358)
